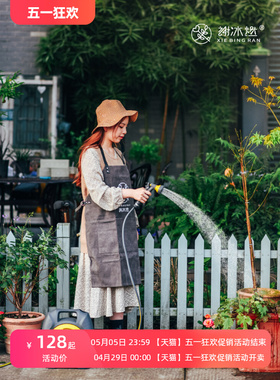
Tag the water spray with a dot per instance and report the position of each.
(203, 222)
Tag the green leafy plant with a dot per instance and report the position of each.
(67, 145)
(246, 312)
(159, 58)
(246, 159)
(8, 90)
(146, 150)
(2, 327)
(20, 154)
(52, 282)
(25, 260)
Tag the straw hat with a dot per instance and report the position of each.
(110, 112)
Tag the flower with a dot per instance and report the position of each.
(271, 78)
(207, 316)
(244, 87)
(256, 81)
(251, 100)
(269, 91)
(208, 322)
(228, 173)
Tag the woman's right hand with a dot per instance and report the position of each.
(141, 194)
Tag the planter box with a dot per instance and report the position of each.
(44, 172)
(59, 172)
(54, 164)
(54, 168)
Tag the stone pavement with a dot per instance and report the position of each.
(10, 373)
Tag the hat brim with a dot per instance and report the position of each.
(133, 115)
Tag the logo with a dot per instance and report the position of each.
(123, 185)
(201, 34)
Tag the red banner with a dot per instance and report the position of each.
(52, 12)
(140, 348)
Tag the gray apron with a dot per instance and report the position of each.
(104, 235)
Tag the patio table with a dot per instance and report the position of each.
(50, 194)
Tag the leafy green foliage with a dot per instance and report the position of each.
(146, 150)
(20, 154)
(134, 49)
(8, 87)
(2, 327)
(207, 187)
(8, 90)
(247, 312)
(52, 282)
(24, 260)
(67, 146)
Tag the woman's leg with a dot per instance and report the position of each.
(117, 316)
(116, 321)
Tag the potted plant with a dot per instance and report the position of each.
(21, 160)
(8, 86)
(24, 259)
(247, 313)
(254, 312)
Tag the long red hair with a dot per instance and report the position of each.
(95, 140)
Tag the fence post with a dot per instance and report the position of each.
(198, 280)
(43, 295)
(10, 240)
(149, 282)
(63, 286)
(182, 283)
(215, 274)
(265, 262)
(232, 268)
(165, 283)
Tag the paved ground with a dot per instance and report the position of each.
(10, 373)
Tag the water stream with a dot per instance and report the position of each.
(205, 224)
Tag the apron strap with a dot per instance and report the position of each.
(121, 157)
(105, 161)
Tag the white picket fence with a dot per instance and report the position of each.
(232, 263)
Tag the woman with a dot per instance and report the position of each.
(103, 286)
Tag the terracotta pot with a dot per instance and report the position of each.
(12, 324)
(272, 326)
(265, 293)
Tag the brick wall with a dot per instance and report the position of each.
(18, 43)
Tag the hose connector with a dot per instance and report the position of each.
(157, 188)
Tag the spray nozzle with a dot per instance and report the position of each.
(150, 187)
(157, 188)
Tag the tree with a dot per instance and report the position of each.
(133, 49)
